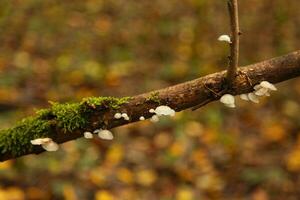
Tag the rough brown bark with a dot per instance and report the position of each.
(190, 94)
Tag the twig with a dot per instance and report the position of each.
(234, 45)
(212, 91)
(201, 104)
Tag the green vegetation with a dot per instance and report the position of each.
(67, 116)
(17, 140)
(107, 102)
(154, 97)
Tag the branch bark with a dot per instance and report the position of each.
(235, 40)
(186, 95)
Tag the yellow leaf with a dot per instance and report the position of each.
(273, 132)
(177, 149)
(162, 140)
(98, 176)
(293, 160)
(69, 193)
(125, 175)
(103, 195)
(185, 194)
(146, 177)
(114, 154)
(12, 193)
(194, 129)
(36, 193)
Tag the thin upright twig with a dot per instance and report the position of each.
(234, 45)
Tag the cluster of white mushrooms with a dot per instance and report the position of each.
(121, 115)
(262, 89)
(49, 145)
(161, 111)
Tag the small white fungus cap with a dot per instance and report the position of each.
(105, 135)
(154, 118)
(142, 118)
(164, 110)
(47, 143)
(96, 131)
(118, 116)
(267, 85)
(228, 100)
(40, 141)
(244, 97)
(252, 97)
(257, 87)
(88, 135)
(224, 38)
(50, 146)
(151, 110)
(125, 116)
(261, 91)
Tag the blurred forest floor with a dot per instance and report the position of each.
(66, 50)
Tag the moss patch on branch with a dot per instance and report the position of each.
(17, 140)
(105, 102)
(67, 116)
(154, 97)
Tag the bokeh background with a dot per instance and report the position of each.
(66, 50)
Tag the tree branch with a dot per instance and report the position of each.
(179, 97)
(235, 41)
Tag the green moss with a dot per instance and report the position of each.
(17, 140)
(107, 102)
(43, 113)
(154, 97)
(67, 116)
(70, 116)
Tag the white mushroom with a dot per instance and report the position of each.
(88, 135)
(105, 135)
(125, 116)
(47, 143)
(224, 38)
(261, 91)
(50, 146)
(142, 118)
(244, 97)
(164, 110)
(267, 94)
(267, 85)
(252, 97)
(40, 141)
(154, 118)
(97, 131)
(118, 116)
(228, 100)
(257, 87)
(151, 110)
